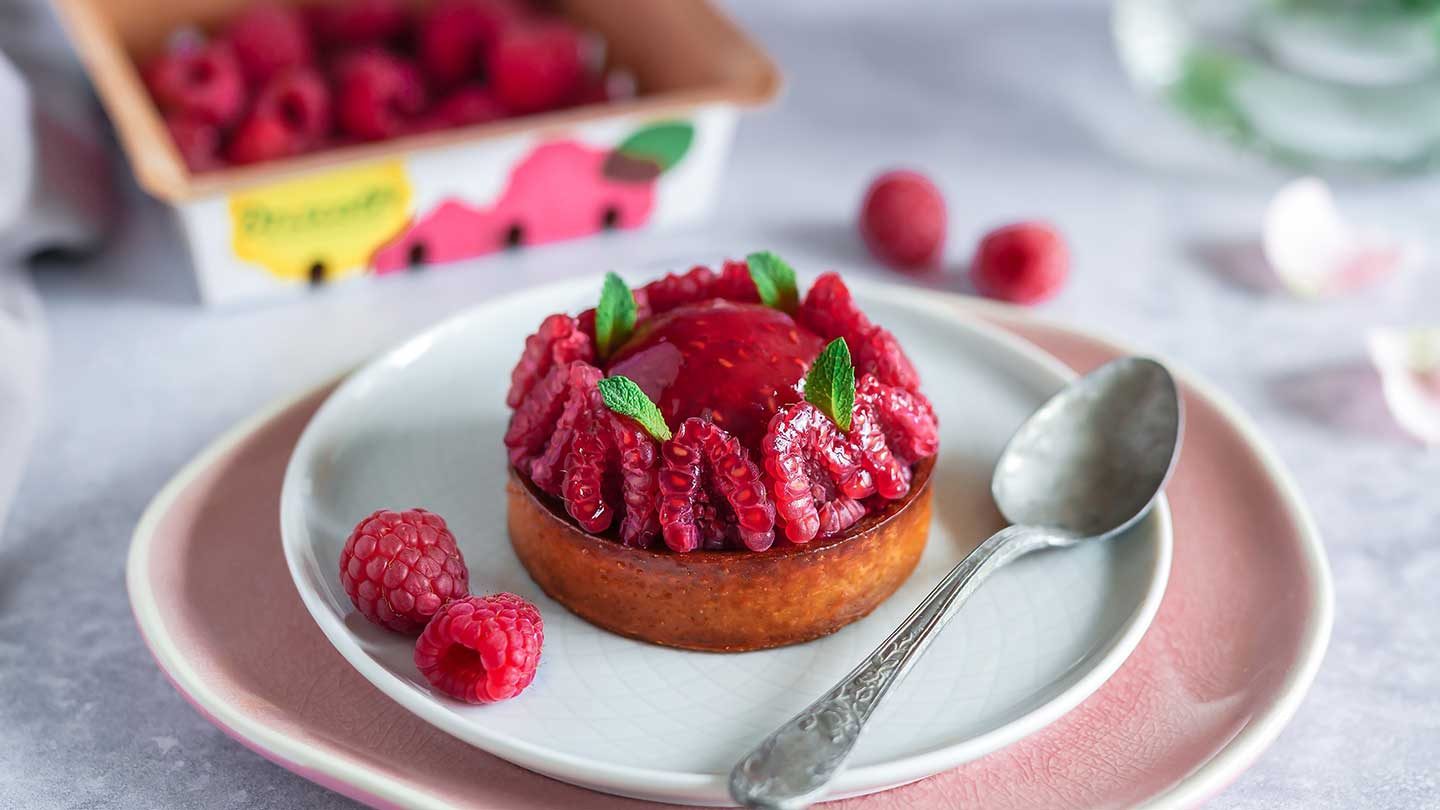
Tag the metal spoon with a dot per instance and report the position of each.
(1086, 466)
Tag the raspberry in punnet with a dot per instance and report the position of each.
(202, 82)
(537, 66)
(482, 649)
(903, 220)
(377, 95)
(398, 568)
(261, 138)
(1024, 263)
(300, 99)
(269, 38)
(198, 141)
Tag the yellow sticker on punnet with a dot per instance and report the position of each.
(321, 227)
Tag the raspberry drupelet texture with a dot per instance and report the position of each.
(482, 649)
(817, 477)
(639, 456)
(711, 494)
(559, 341)
(906, 418)
(830, 311)
(398, 568)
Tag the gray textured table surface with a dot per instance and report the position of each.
(1020, 110)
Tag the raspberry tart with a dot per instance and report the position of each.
(713, 462)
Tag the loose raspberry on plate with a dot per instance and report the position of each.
(269, 38)
(201, 82)
(711, 494)
(482, 649)
(300, 99)
(903, 220)
(537, 66)
(1024, 263)
(398, 568)
(377, 95)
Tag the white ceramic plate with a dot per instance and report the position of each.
(422, 426)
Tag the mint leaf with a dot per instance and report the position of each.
(774, 279)
(615, 316)
(830, 385)
(624, 397)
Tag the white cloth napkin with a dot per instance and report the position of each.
(54, 195)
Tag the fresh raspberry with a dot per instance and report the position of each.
(197, 140)
(829, 310)
(533, 422)
(817, 477)
(1025, 263)
(906, 417)
(537, 66)
(559, 341)
(202, 82)
(903, 220)
(455, 36)
(482, 649)
(261, 138)
(867, 438)
(547, 470)
(358, 22)
(377, 95)
(639, 458)
(269, 38)
(398, 568)
(877, 352)
(466, 106)
(676, 290)
(586, 469)
(735, 283)
(301, 100)
(711, 492)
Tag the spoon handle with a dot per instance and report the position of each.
(791, 767)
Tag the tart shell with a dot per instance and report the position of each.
(722, 601)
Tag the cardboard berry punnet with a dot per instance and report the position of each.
(283, 226)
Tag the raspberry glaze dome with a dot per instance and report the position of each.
(696, 467)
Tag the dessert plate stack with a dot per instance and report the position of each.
(1189, 688)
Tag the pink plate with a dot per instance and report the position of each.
(1236, 643)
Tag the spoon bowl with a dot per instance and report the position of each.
(1091, 460)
